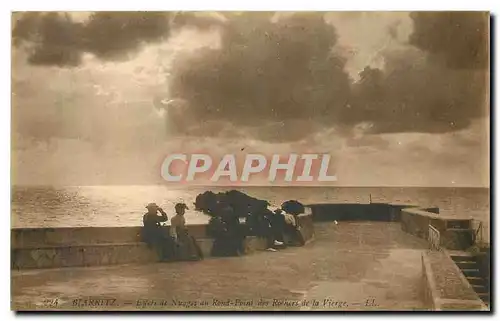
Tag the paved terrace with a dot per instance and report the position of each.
(350, 266)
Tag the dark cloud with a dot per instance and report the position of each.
(458, 39)
(265, 73)
(439, 85)
(282, 77)
(110, 35)
(55, 39)
(279, 74)
(415, 96)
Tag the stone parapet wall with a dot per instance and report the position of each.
(416, 221)
(354, 212)
(445, 287)
(104, 254)
(62, 236)
(93, 246)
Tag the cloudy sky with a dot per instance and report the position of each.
(397, 99)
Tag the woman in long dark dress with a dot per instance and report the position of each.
(228, 233)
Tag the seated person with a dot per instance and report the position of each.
(227, 231)
(270, 229)
(187, 248)
(153, 233)
(217, 229)
(293, 209)
(235, 232)
(264, 223)
(293, 229)
(278, 226)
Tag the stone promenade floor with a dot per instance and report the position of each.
(349, 266)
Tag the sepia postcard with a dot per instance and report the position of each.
(250, 161)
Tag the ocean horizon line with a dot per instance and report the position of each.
(248, 186)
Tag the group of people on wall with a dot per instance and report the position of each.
(233, 216)
(177, 244)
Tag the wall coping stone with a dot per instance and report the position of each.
(440, 297)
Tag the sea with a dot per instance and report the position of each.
(77, 206)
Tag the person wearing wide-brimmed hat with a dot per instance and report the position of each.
(151, 218)
(153, 233)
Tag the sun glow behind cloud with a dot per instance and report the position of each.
(97, 121)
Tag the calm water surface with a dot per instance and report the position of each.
(124, 205)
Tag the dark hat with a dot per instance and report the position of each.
(181, 205)
(152, 205)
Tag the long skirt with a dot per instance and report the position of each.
(228, 244)
(188, 248)
(163, 244)
(294, 234)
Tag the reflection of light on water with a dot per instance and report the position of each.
(125, 205)
(141, 195)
